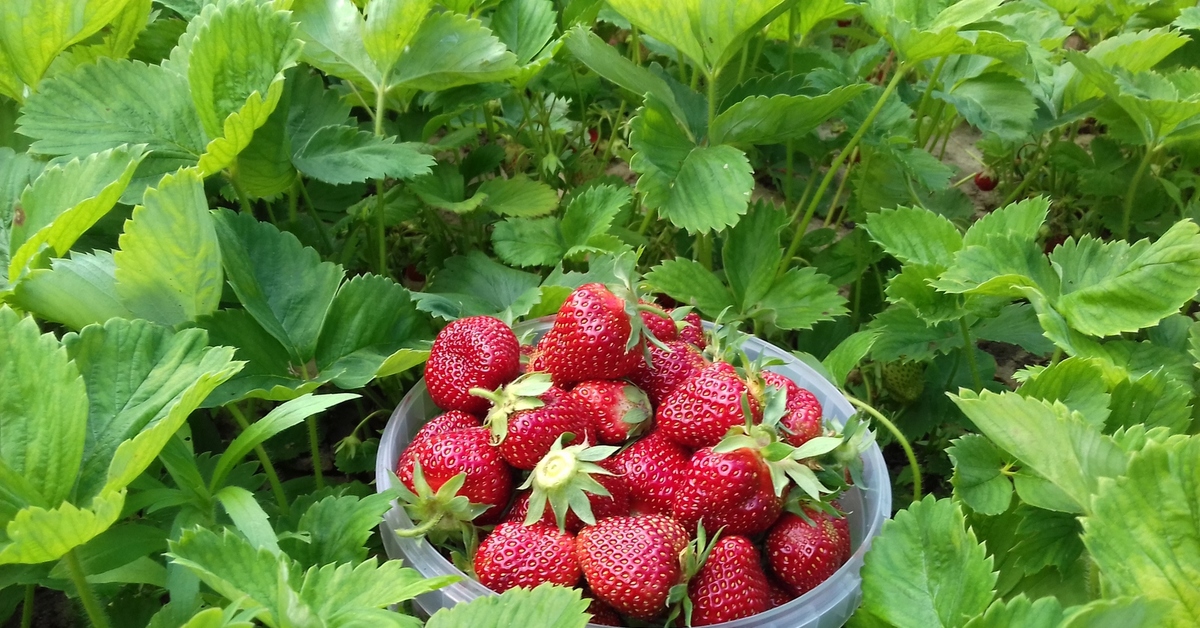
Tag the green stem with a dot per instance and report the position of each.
(635, 46)
(1133, 186)
(380, 110)
(712, 97)
(420, 530)
(646, 220)
(933, 79)
(936, 120)
(91, 605)
(908, 450)
(612, 140)
(833, 169)
(265, 461)
(293, 202)
(969, 351)
(314, 444)
(1028, 179)
(312, 213)
(703, 250)
(1056, 356)
(837, 195)
(243, 199)
(27, 607)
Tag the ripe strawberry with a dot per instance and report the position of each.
(614, 504)
(651, 467)
(731, 490)
(517, 555)
(985, 181)
(779, 593)
(594, 337)
(730, 585)
(631, 563)
(702, 409)
(602, 614)
(668, 368)
(693, 330)
(803, 419)
(804, 554)
(663, 327)
(451, 421)
(528, 415)
(477, 351)
(620, 410)
(488, 480)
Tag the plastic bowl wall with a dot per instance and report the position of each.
(827, 606)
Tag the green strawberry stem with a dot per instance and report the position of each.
(268, 468)
(27, 606)
(421, 529)
(908, 451)
(87, 597)
(563, 478)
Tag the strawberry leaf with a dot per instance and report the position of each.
(545, 606)
(518, 196)
(338, 529)
(1046, 612)
(775, 119)
(915, 236)
(75, 291)
(978, 478)
(344, 154)
(994, 103)
(607, 62)
(710, 191)
(475, 284)
(524, 26)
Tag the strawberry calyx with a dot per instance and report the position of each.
(691, 559)
(563, 478)
(522, 394)
(440, 514)
(801, 505)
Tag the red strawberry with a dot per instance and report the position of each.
(620, 410)
(668, 368)
(985, 181)
(651, 467)
(779, 593)
(528, 415)
(615, 504)
(803, 419)
(702, 409)
(693, 330)
(804, 554)
(631, 563)
(451, 421)
(602, 614)
(593, 338)
(731, 490)
(663, 327)
(517, 555)
(472, 352)
(730, 585)
(468, 451)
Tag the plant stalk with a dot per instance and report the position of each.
(314, 444)
(969, 351)
(1028, 178)
(91, 605)
(1133, 186)
(833, 169)
(837, 195)
(380, 228)
(265, 461)
(908, 450)
(27, 607)
(933, 79)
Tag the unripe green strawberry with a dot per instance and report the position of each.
(905, 381)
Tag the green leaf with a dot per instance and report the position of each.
(233, 567)
(688, 282)
(118, 546)
(389, 28)
(269, 372)
(284, 285)
(912, 286)
(264, 168)
(545, 606)
(1018, 325)
(846, 356)
(994, 103)
(451, 50)
(1157, 552)
(38, 535)
(800, 299)
(75, 291)
(282, 417)
(35, 32)
(1046, 538)
(927, 569)
(1021, 220)
(604, 60)
(775, 119)
(1046, 612)
(751, 255)
(529, 241)
(978, 479)
(43, 410)
(338, 529)
(658, 138)
(142, 381)
(1189, 19)
(524, 26)
(65, 201)
(518, 196)
(343, 154)
(169, 267)
(710, 192)
(668, 22)
(915, 236)
(1048, 438)
(1153, 400)
(475, 284)
(1078, 383)
(248, 516)
(1118, 613)
(1003, 267)
(589, 216)
(902, 335)
(1111, 288)
(333, 31)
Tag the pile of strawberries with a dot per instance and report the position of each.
(619, 455)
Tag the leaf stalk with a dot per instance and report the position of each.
(91, 605)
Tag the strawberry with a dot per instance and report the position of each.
(620, 410)
(566, 470)
(661, 325)
(451, 421)
(472, 352)
(905, 381)
(631, 563)
(985, 181)
(486, 480)
(593, 337)
(528, 415)
(803, 419)
(651, 467)
(730, 585)
(602, 614)
(731, 490)
(667, 369)
(517, 555)
(779, 593)
(804, 554)
(702, 409)
(693, 330)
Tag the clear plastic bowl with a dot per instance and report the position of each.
(827, 606)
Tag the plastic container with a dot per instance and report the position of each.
(827, 606)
